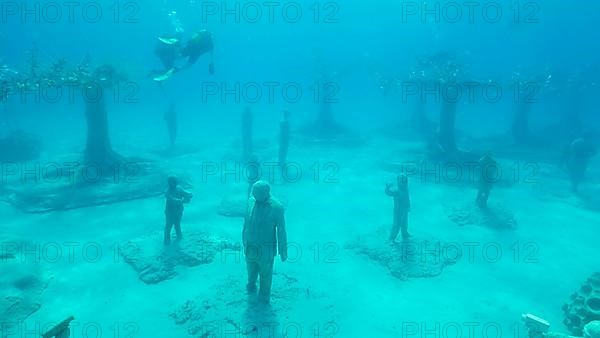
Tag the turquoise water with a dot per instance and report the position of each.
(92, 124)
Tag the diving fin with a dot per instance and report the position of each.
(168, 41)
(165, 76)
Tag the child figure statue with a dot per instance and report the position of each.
(175, 198)
(401, 207)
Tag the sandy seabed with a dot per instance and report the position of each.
(326, 289)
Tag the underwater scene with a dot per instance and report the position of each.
(189, 168)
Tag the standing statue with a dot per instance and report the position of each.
(485, 182)
(175, 198)
(264, 236)
(577, 158)
(401, 207)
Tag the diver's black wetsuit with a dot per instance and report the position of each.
(200, 44)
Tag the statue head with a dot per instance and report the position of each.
(261, 191)
(172, 181)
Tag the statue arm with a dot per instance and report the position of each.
(186, 194)
(173, 197)
(247, 220)
(282, 235)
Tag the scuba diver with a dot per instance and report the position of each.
(170, 49)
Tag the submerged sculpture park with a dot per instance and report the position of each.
(399, 235)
